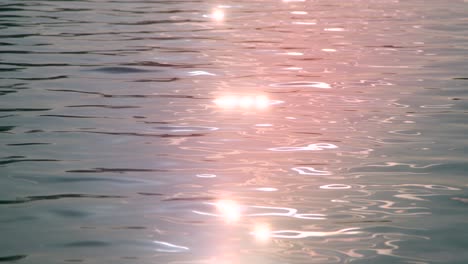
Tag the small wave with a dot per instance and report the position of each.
(56, 197)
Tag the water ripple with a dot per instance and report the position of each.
(56, 197)
(320, 85)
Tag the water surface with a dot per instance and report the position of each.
(253, 131)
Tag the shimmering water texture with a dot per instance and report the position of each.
(211, 132)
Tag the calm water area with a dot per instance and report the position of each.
(227, 132)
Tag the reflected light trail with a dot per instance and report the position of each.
(243, 101)
(305, 234)
(229, 210)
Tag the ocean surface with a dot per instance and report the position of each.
(234, 132)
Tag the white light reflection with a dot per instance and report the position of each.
(197, 73)
(168, 247)
(230, 210)
(310, 171)
(299, 12)
(305, 84)
(316, 146)
(205, 175)
(217, 15)
(261, 232)
(335, 186)
(334, 29)
(266, 189)
(305, 234)
(244, 101)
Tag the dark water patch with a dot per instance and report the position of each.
(69, 9)
(130, 95)
(186, 128)
(28, 144)
(24, 109)
(14, 157)
(155, 22)
(10, 161)
(11, 69)
(158, 80)
(5, 116)
(134, 134)
(115, 170)
(34, 131)
(172, 11)
(207, 198)
(169, 65)
(104, 106)
(88, 243)
(36, 64)
(38, 78)
(364, 222)
(7, 92)
(157, 122)
(57, 197)
(74, 116)
(17, 36)
(68, 179)
(12, 258)
(150, 194)
(68, 213)
(461, 78)
(129, 227)
(6, 128)
(120, 70)
(389, 47)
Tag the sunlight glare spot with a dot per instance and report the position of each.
(217, 15)
(205, 175)
(267, 189)
(299, 13)
(229, 210)
(293, 53)
(245, 101)
(262, 232)
(304, 23)
(334, 29)
(293, 68)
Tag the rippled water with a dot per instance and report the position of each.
(270, 131)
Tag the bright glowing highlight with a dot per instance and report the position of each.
(244, 101)
(217, 15)
(262, 232)
(229, 210)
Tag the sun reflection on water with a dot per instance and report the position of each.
(261, 232)
(243, 101)
(229, 210)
